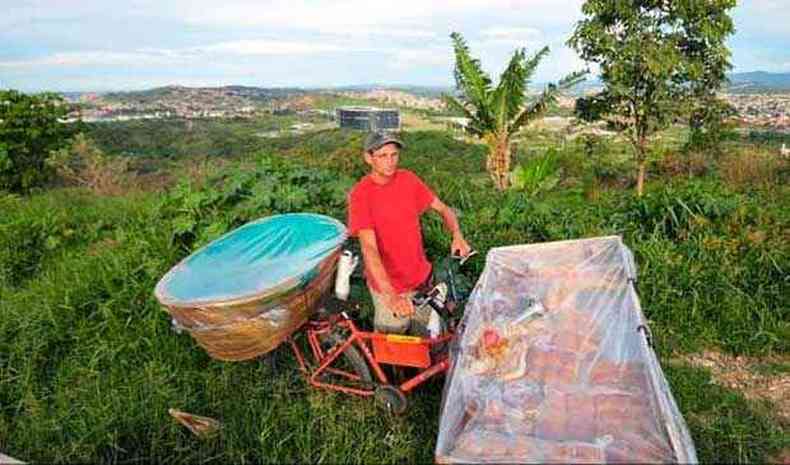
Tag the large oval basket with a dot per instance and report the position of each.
(245, 293)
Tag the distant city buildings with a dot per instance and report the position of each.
(769, 111)
(171, 102)
(368, 118)
(398, 98)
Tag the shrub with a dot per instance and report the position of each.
(675, 211)
(599, 160)
(82, 163)
(686, 163)
(240, 193)
(751, 167)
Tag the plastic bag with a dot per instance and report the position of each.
(553, 364)
(245, 293)
(255, 261)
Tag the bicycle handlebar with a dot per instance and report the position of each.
(461, 258)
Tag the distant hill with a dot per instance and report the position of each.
(258, 94)
(740, 83)
(759, 81)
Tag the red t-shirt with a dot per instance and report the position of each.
(393, 212)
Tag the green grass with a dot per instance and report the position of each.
(725, 426)
(89, 365)
(772, 368)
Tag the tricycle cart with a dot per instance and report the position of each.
(268, 281)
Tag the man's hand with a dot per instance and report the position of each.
(401, 305)
(459, 247)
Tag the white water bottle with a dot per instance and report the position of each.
(345, 266)
(434, 324)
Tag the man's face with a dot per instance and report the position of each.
(384, 161)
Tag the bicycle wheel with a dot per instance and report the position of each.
(391, 399)
(352, 359)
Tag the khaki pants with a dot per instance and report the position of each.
(386, 321)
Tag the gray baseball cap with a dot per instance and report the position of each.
(376, 140)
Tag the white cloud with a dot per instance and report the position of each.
(352, 17)
(348, 16)
(560, 62)
(149, 56)
(512, 33)
(371, 31)
(91, 58)
(270, 47)
(404, 59)
(513, 37)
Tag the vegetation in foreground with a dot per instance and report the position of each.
(89, 365)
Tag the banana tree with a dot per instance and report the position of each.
(497, 113)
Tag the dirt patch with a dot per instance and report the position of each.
(782, 457)
(750, 375)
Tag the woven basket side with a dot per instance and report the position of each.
(254, 330)
(195, 318)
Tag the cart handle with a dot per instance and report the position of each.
(463, 258)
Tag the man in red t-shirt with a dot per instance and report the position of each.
(384, 210)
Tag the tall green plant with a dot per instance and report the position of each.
(497, 113)
(537, 174)
(656, 57)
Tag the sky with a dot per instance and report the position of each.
(101, 45)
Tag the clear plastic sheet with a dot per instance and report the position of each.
(553, 364)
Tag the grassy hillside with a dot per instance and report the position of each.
(89, 365)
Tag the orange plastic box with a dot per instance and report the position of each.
(396, 349)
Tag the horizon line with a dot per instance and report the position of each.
(308, 88)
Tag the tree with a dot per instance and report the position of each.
(708, 125)
(656, 57)
(30, 127)
(496, 114)
(704, 44)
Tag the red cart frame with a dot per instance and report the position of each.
(367, 351)
(377, 349)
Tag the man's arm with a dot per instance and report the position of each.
(372, 258)
(370, 254)
(459, 244)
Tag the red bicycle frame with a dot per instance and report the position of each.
(363, 341)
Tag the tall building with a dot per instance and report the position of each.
(368, 118)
